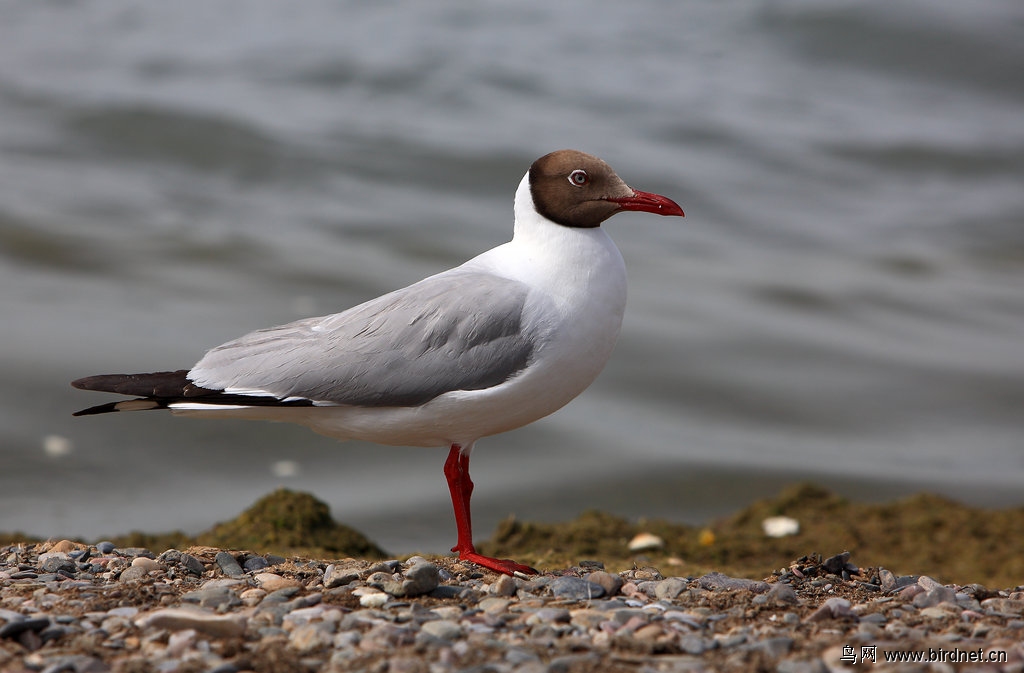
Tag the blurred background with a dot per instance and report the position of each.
(844, 301)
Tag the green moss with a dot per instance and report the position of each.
(923, 534)
(289, 522)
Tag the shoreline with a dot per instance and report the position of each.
(687, 599)
(70, 607)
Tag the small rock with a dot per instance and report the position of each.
(774, 648)
(146, 563)
(65, 546)
(252, 597)
(782, 593)
(15, 628)
(935, 612)
(132, 552)
(212, 597)
(550, 615)
(887, 580)
(177, 619)
(192, 565)
(833, 608)
(780, 526)
(611, 584)
(494, 605)
(442, 629)
(716, 581)
(503, 586)
(692, 644)
(133, 574)
(254, 563)
(105, 547)
(934, 596)
(838, 563)
(228, 564)
(575, 588)
(645, 542)
(53, 562)
(420, 579)
(649, 633)
(1006, 606)
(337, 576)
(273, 582)
(370, 597)
(310, 638)
(669, 588)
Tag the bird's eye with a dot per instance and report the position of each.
(579, 177)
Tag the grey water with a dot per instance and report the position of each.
(843, 302)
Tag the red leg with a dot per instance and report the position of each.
(456, 470)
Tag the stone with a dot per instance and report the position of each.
(53, 562)
(782, 593)
(494, 605)
(252, 597)
(228, 564)
(575, 588)
(274, 582)
(105, 547)
(133, 574)
(612, 584)
(442, 629)
(776, 647)
(310, 638)
(66, 546)
(336, 576)
(934, 596)
(148, 564)
(550, 615)
(836, 564)
(15, 628)
(177, 619)
(669, 588)
(421, 578)
(1006, 606)
(504, 586)
(645, 542)
(833, 608)
(780, 526)
(717, 581)
(192, 565)
(254, 563)
(212, 597)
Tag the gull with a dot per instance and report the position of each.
(508, 337)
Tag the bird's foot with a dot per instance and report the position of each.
(498, 565)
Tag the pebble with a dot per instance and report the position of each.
(273, 582)
(336, 576)
(425, 617)
(228, 565)
(645, 542)
(505, 585)
(718, 581)
(442, 629)
(177, 619)
(670, 588)
(576, 589)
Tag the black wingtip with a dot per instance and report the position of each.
(123, 405)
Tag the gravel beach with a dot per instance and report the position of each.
(68, 606)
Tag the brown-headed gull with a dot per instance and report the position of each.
(507, 338)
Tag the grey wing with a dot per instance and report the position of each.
(458, 330)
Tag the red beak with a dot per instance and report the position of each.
(649, 203)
